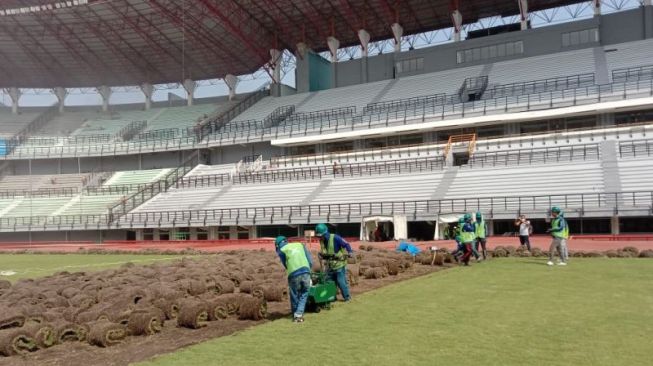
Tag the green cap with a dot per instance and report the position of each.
(280, 240)
(321, 229)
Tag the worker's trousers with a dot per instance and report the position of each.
(339, 276)
(298, 287)
(561, 245)
(468, 253)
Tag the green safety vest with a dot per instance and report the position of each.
(480, 229)
(467, 237)
(330, 249)
(295, 257)
(555, 224)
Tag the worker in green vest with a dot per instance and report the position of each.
(337, 250)
(296, 258)
(560, 232)
(467, 238)
(480, 228)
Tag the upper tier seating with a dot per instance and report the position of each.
(631, 54)
(38, 182)
(113, 123)
(11, 124)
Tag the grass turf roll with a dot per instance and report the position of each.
(169, 306)
(43, 334)
(231, 301)
(192, 314)
(218, 308)
(251, 308)
(145, 322)
(224, 286)
(246, 287)
(66, 331)
(11, 318)
(5, 285)
(104, 333)
(373, 273)
(16, 341)
(353, 276)
(271, 292)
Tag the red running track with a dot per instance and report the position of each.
(585, 243)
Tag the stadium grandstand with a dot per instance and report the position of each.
(505, 119)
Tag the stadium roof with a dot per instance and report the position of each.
(86, 43)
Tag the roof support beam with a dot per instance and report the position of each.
(235, 29)
(523, 13)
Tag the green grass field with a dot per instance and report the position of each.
(37, 265)
(503, 312)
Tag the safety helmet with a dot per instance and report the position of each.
(556, 209)
(479, 216)
(467, 217)
(321, 229)
(461, 220)
(280, 240)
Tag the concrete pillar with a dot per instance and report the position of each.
(275, 64)
(397, 32)
(139, 235)
(105, 93)
(232, 83)
(148, 90)
(490, 227)
(61, 94)
(190, 86)
(364, 38)
(233, 232)
(14, 94)
(156, 236)
(647, 2)
(302, 68)
(193, 233)
(523, 13)
(334, 45)
(253, 232)
(614, 225)
(457, 19)
(596, 4)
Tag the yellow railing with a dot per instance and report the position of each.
(469, 138)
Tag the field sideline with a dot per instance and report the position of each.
(502, 312)
(38, 265)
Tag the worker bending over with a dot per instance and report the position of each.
(336, 251)
(297, 261)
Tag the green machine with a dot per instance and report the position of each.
(323, 290)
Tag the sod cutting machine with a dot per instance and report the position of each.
(323, 290)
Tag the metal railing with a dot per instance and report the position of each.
(633, 73)
(216, 122)
(316, 172)
(632, 149)
(579, 203)
(531, 102)
(550, 84)
(530, 156)
(150, 190)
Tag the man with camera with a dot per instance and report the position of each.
(525, 230)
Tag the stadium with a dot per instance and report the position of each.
(155, 154)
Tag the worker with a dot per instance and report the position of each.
(296, 258)
(480, 228)
(560, 232)
(457, 232)
(334, 245)
(467, 237)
